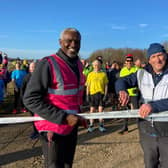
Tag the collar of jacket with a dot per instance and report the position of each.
(62, 55)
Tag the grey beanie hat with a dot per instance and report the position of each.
(155, 48)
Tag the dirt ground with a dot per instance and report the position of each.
(94, 150)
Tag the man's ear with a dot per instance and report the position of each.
(149, 62)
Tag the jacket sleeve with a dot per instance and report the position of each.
(36, 90)
(124, 83)
(159, 105)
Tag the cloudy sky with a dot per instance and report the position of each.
(31, 29)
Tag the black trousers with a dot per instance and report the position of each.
(134, 101)
(155, 151)
(60, 152)
(18, 104)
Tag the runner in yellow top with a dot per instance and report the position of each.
(128, 69)
(97, 83)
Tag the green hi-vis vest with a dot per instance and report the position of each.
(125, 72)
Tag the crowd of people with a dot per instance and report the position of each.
(100, 86)
(61, 83)
(18, 74)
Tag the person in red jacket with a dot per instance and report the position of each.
(55, 92)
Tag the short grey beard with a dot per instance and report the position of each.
(72, 56)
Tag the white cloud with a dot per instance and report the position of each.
(143, 25)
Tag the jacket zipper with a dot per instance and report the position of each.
(152, 124)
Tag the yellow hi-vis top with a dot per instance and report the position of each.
(125, 72)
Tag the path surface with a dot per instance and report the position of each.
(94, 150)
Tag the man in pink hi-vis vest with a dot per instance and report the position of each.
(55, 92)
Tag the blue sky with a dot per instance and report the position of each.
(31, 29)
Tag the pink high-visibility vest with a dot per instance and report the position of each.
(65, 93)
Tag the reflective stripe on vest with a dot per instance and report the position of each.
(57, 71)
(65, 92)
(60, 90)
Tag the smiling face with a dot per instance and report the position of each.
(70, 43)
(158, 61)
(32, 67)
(17, 66)
(129, 62)
(96, 65)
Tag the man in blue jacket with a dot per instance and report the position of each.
(152, 82)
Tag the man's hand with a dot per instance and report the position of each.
(145, 110)
(72, 119)
(123, 98)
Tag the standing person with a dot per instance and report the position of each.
(152, 82)
(17, 79)
(138, 63)
(1, 57)
(107, 66)
(55, 92)
(25, 65)
(2, 87)
(5, 76)
(5, 60)
(112, 74)
(97, 85)
(100, 58)
(87, 68)
(26, 79)
(128, 69)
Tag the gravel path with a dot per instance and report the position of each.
(94, 150)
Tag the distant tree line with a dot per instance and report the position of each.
(111, 54)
